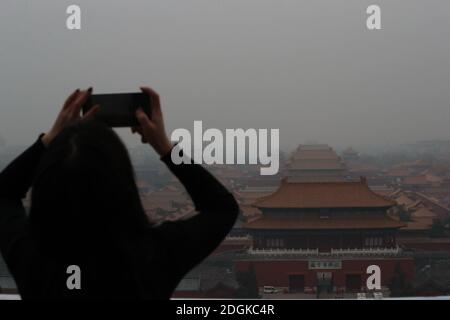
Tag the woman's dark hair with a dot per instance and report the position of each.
(84, 193)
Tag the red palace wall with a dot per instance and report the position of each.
(276, 273)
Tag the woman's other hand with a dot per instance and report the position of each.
(152, 130)
(70, 113)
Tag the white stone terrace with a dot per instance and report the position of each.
(368, 252)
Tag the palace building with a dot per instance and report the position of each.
(317, 162)
(320, 236)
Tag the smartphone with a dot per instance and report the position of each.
(118, 109)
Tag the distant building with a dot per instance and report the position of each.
(418, 212)
(350, 156)
(168, 203)
(315, 163)
(432, 147)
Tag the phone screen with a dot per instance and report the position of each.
(118, 109)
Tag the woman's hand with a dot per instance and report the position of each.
(152, 130)
(70, 113)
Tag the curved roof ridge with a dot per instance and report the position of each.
(322, 194)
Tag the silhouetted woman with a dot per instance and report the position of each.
(86, 212)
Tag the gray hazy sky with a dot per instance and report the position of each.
(308, 67)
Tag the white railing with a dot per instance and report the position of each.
(333, 252)
(367, 251)
(247, 237)
(283, 251)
